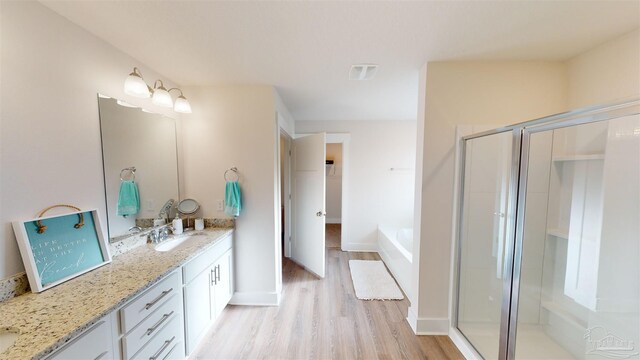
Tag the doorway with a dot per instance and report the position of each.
(333, 221)
(303, 176)
(337, 220)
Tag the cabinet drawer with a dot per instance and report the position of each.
(136, 311)
(204, 261)
(94, 343)
(164, 343)
(152, 325)
(176, 352)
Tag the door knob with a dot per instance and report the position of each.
(320, 214)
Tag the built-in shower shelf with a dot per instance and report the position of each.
(559, 233)
(578, 157)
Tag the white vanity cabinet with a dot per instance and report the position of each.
(208, 286)
(167, 320)
(151, 325)
(94, 343)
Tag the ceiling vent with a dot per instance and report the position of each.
(363, 71)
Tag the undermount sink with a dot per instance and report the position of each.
(7, 339)
(176, 242)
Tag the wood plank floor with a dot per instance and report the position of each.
(332, 238)
(321, 319)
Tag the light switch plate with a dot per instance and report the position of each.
(220, 204)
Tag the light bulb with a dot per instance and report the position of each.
(182, 105)
(134, 85)
(161, 97)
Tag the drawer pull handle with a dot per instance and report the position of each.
(162, 349)
(164, 293)
(213, 276)
(173, 349)
(155, 326)
(101, 355)
(217, 273)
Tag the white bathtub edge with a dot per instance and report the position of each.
(400, 271)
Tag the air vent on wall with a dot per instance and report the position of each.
(363, 71)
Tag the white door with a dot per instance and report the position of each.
(309, 202)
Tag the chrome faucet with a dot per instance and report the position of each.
(163, 234)
(159, 235)
(152, 237)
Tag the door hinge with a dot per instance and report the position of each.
(289, 196)
(289, 152)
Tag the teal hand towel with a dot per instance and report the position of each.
(128, 199)
(232, 199)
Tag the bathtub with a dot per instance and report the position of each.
(395, 247)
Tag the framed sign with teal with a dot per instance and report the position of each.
(57, 248)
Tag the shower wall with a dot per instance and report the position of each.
(589, 287)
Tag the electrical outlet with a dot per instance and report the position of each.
(220, 205)
(150, 206)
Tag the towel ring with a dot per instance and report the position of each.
(235, 171)
(132, 173)
(42, 228)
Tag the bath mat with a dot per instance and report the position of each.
(372, 281)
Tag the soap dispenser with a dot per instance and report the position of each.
(177, 225)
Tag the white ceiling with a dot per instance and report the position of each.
(305, 49)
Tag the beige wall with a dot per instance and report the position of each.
(607, 73)
(237, 126)
(464, 93)
(50, 150)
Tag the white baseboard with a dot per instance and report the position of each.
(427, 326)
(361, 247)
(256, 298)
(461, 343)
(333, 221)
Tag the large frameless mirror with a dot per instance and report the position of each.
(140, 165)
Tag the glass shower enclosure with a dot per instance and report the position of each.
(548, 238)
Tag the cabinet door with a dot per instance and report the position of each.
(222, 289)
(197, 300)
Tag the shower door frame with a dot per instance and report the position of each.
(514, 234)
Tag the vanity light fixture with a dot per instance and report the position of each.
(135, 85)
(161, 96)
(181, 105)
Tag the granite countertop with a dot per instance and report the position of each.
(46, 321)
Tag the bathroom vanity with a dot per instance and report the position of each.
(146, 304)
